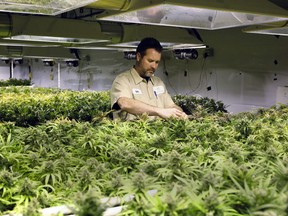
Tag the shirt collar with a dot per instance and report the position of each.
(137, 78)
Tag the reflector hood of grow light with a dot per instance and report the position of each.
(190, 17)
(168, 46)
(48, 7)
(55, 39)
(277, 28)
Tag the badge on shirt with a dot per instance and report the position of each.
(136, 91)
(158, 89)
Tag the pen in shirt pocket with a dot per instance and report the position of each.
(155, 93)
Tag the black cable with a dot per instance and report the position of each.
(166, 73)
(200, 79)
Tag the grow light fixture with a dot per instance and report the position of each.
(165, 45)
(6, 60)
(48, 62)
(185, 54)
(275, 31)
(18, 60)
(93, 48)
(15, 60)
(19, 43)
(190, 17)
(130, 55)
(54, 39)
(42, 7)
(272, 29)
(188, 46)
(72, 63)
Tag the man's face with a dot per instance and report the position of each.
(148, 63)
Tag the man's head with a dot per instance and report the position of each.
(147, 43)
(148, 55)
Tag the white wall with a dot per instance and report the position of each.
(18, 71)
(4, 72)
(244, 72)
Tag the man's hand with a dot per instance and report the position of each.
(138, 108)
(171, 113)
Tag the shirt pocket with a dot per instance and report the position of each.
(146, 99)
(138, 94)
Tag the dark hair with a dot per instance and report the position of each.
(148, 43)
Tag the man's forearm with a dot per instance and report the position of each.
(136, 107)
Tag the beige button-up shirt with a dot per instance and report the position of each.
(129, 84)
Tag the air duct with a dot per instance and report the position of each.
(51, 29)
(5, 25)
(112, 30)
(34, 52)
(11, 51)
(119, 5)
(15, 51)
(46, 36)
(42, 33)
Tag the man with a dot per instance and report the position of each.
(137, 91)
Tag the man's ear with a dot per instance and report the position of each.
(138, 56)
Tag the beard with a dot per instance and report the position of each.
(149, 73)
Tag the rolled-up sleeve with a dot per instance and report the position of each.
(120, 88)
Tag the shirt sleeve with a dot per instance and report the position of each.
(120, 88)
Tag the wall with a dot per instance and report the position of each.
(248, 68)
(4, 72)
(244, 71)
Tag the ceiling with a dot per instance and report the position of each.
(58, 29)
